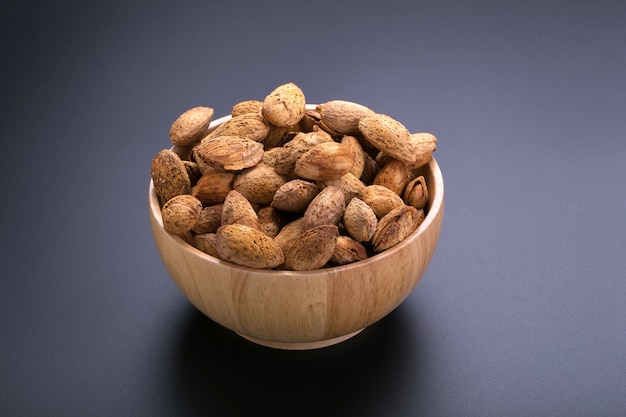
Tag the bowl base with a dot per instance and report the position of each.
(300, 345)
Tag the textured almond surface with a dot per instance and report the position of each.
(342, 116)
(251, 126)
(285, 105)
(359, 220)
(312, 249)
(213, 188)
(191, 126)
(231, 152)
(238, 210)
(381, 199)
(294, 196)
(416, 193)
(394, 175)
(395, 226)
(210, 220)
(325, 161)
(259, 183)
(169, 175)
(326, 208)
(388, 135)
(348, 251)
(249, 247)
(181, 213)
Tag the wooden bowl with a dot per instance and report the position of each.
(302, 310)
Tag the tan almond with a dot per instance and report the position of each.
(250, 126)
(210, 220)
(423, 145)
(326, 208)
(259, 183)
(245, 107)
(348, 251)
(284, 106)
(359, 220)
(191, 126)
(395, 226)
(381, 199)
(388, 135)
(357, 152)
(238, 210)
(394, 175)
(169, 175)
(246, 246)
(342, 116)
(416, 193)
(301, 143)
(325, 161)
(294, 196)
(350, 185)
(288, 234)
(212, 188)
(312, 249)
(207, 243)
(181, 213)
(231, 153)
(271, 221)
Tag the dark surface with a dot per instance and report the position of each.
(522, 311)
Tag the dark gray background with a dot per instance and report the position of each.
(522, 311)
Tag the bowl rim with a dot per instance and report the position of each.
(435, 205)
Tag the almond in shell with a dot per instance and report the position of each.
(259, 183)
(395, 226)
(181, 213)
(250, 125)
(326, 208)
(284, 106)
(246, 246)
(381, 199)
(169, 175)
(359, 220)
(231, 153)
(325, 161)
(191, 126)
(312, 249)
(294, 196)
(348, 251)
(238, 210)
(342, 117)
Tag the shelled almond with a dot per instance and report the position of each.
(281, 185)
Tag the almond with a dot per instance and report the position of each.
(312, 249)
(326, 208)
(359, 220)
(247, 106)
(245, 246)
(191, 126)
(325, 161)
(238, 210)
(342, 117)
(259, 183)
(181, 213)
(207, 243)
(394, 175)
(416, 193)
(284, 106)
(302, 142)
(350, 185)
(381, 199)
(288, 234)
(271, 221)
(169, 175)
(357, 152)
(231, 152)
(395, 226)
(294, 196)
(388, 135)
(212, 188)
(210, 220)
(348, 251)
(250, 125)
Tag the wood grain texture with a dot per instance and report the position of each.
(301, 310)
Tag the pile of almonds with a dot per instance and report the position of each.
(280, 186)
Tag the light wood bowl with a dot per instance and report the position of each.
(302, 310)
